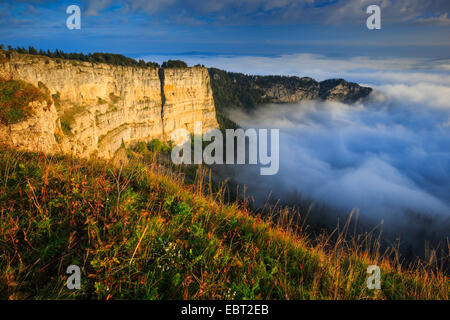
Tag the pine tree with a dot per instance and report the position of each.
(32, 50)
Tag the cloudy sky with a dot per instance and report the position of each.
(416, 28)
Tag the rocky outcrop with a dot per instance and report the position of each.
(289, 92)
(237, 90)
(97, 107)
(293, 89)
(341, 90)
(187, 98)
(246, 92)
(38, 133)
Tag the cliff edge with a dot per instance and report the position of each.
(241, 91)
(96, 107)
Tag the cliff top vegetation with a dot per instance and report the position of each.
(15, 99)
(96, 57)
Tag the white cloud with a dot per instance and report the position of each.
(388, 156)
(94, 7)
(361, 69)
(429, 94)
(441, 20)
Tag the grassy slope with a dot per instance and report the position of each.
(141, 233)
(15, 99)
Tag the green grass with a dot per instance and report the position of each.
(114, 99)
(15, 99)
(57, 99)
(101, 101)
(68, 117)
(140, 232)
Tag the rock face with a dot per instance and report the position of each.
(248, 91)
(97, 107)
(298, 90)
(36, 133)
(341, 90)
(293, 89)
(188, 98)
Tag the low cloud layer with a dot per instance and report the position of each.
(362, 69)
(384, 157)
(389, 156)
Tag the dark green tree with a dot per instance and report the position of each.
(174, 64)
(32, 50)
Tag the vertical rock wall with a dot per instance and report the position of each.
(97, 107)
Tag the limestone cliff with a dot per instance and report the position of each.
(97, 107)
(299, 89)
(188, 98)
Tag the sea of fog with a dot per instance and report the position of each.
(388, 156)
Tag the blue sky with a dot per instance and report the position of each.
(410, 28)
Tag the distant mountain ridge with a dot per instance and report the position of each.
(241, 91)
